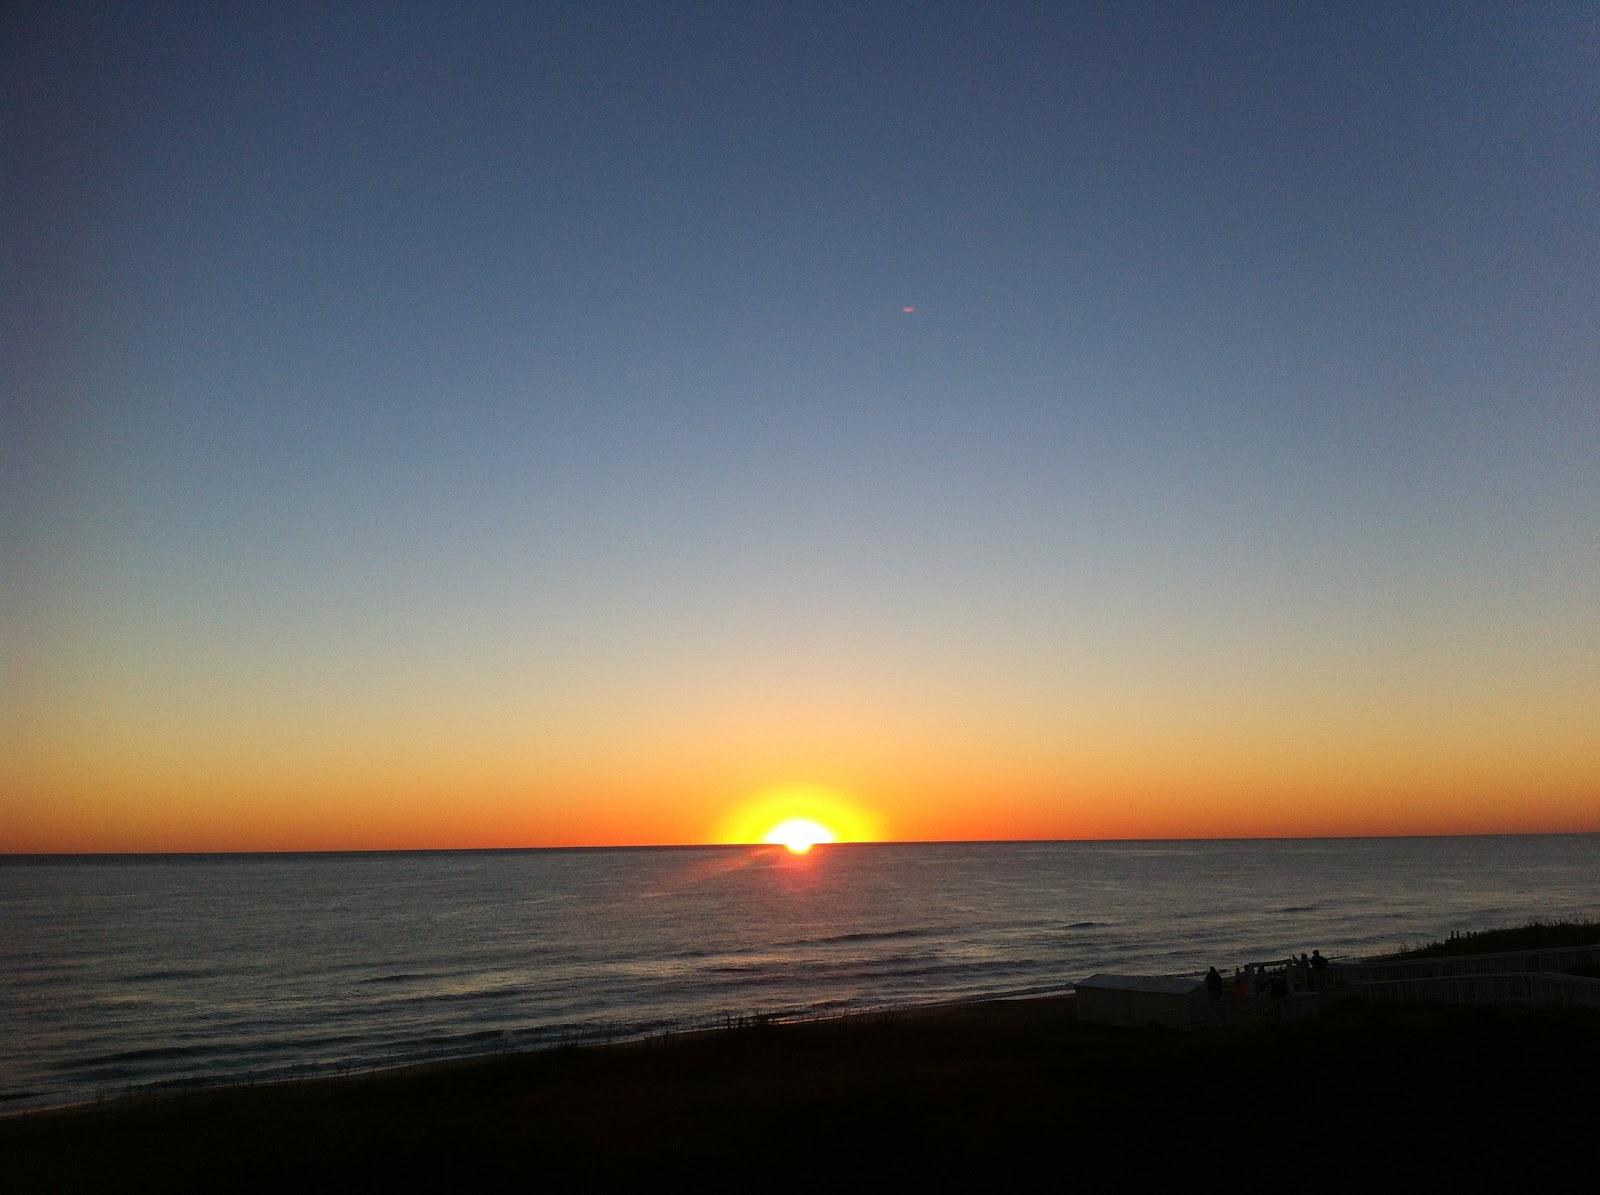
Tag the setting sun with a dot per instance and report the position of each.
(798, 834)
(799, 816)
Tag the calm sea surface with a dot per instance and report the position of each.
(122, 972)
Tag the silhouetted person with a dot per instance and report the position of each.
(1319, 970)
(1214, 984)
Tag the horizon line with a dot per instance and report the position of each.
(695, 846)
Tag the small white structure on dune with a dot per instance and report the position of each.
(1178, 1001)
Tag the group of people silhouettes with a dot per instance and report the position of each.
(1308, 973)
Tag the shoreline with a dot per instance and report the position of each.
(992, 1087)
(1549, 936)
(183, 1088)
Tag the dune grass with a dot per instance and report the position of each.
(1536, 935)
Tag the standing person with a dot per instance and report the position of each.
(1214, 984)
(1319, 970)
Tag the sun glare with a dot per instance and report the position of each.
(798, 834)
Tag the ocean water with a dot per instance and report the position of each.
(120, 973)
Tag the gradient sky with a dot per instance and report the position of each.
(475, 425)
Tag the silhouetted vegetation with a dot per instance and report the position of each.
(1536, 935)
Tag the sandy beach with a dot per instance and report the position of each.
(996, 1091)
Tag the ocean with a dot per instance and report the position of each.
(122, 973)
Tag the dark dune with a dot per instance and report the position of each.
(992, 1092)
(1536, 935)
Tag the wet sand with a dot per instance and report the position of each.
(1004, 1093)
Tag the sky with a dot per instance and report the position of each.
(479, 425)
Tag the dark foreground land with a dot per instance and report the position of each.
(1002, 1093)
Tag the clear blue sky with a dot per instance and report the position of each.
(527, 354)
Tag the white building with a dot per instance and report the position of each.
(1178, 1001)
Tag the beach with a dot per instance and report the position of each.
(983, 1091)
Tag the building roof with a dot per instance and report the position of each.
(1170, 985)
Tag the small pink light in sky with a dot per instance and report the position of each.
(909, 310)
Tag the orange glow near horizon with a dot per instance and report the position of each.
(702, 772)
(419, 812)
(875, 727)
